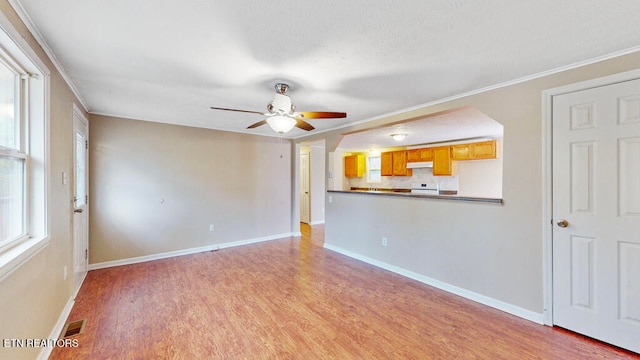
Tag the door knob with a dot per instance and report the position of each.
(77, 210)
(563, 223)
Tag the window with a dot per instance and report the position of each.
(373, 169)
(13, 186)
(23, 150)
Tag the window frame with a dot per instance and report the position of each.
(369, 169)
(32, 145)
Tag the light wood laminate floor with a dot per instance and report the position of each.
(293, 299)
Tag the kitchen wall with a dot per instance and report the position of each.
(157, 188)
(493, 251)
(34, 295)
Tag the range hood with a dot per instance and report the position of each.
(420, 164)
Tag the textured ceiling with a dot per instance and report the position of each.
(169, 61)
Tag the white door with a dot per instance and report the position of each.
(304, 188)
(596, 213)
(80, 199)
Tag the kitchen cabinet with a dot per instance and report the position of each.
(354, 165)
(394, 163)
(413, 155)
(386, 164)
(460, 151)
(483, 150)
(400, 164)
(419, 155)
(443, 164)
(474, 151)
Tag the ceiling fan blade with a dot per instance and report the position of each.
(259, 123)
(321, 114)
(301, 124)
(245, 111)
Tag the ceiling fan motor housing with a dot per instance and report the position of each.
(280, 104)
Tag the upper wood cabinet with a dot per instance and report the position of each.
(460, 152)
(483, 150)
(418, 155)
(353, 166)
(394, 163)
(386, 164)
(443, 164)
(400, 164)
(474, 151)
(413, 155)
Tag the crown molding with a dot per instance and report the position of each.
(22, 14)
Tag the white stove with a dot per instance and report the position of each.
(425, 188)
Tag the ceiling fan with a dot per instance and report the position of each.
(282, 115)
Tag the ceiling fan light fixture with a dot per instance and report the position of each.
(281, 124)
(398, 137)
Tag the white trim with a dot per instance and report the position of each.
(316, 222)
(482, 299)
(57, 329)
(22, 14)
(547, 175)
(213, 247)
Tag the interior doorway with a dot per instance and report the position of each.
(312, 182)
(80, 198)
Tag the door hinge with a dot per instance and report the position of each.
(86, 254)
(86, 144)
(86, 199)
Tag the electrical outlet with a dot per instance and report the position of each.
(64, 273)
(212, 227)
(330, 199)
(384, 241)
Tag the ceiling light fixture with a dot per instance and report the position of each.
(398, 137)
(281, 124)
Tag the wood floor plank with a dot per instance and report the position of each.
(293, 299)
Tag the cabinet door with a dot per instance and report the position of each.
(350, 166)
(386, 166)
(460, 152)
(483, 150)
(400, 164)
(354, 166)
(426, 154)
(413, 155)
(443, 165)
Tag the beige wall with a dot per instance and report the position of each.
(33, 297)
(492, 250)
(156, 188)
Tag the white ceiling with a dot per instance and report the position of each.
(169, 61)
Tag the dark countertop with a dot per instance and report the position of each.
(407, 193)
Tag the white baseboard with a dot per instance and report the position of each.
(482, 299)
(316, 222)
(213, 247)
(57, 329)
